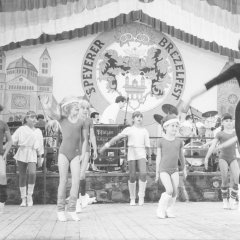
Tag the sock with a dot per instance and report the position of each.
(30, 189)
(83, 187)
(3, 193)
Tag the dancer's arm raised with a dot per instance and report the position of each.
(47, 107)
(231, 72)
(112, 141)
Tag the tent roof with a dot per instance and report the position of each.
(209, 24)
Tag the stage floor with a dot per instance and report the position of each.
(195, 220)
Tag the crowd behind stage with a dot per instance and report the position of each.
(194, 131)
(72, 134)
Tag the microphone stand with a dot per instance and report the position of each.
(125, 116)
(194, 123)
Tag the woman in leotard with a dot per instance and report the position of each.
(169, 151)
(230, 73)
(71, 152)
(227, 159)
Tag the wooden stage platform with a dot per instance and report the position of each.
(195, 220)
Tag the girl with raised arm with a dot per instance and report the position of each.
(138, 142)
(71, 153)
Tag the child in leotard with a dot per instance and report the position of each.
(138, 142)
(227, 159)
(71, 152)
(84, 113)
(169, 151)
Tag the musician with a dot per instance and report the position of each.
(188, 123)
(110, 114)
(187, 129)
(95, 117)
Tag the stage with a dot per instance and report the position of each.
(112, 187)
(195, 220)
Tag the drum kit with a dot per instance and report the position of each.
(158, 118)
(169, 109)
(210, 120)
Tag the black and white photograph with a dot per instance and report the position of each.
(120, 119)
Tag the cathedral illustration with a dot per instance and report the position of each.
(227, 95)
(21, 85)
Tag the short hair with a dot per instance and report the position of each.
(67, 104)
(40, 116)
(84, 103)
(27, 115)
(137, 114)
(120, 99)
(169, 117)
(226, 116)
(93, 114)
(188, 117)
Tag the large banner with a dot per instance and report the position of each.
(137, 62)
(148, 67)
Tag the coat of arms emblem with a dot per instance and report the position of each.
(137, 62)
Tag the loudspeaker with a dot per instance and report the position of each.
(103, 133)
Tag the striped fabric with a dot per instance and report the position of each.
(208, 24)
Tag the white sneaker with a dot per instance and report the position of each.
(226, 204)
(232, 203)
(74, 216)
(29, 201)
(141, 201)
(132, 202)
(161, 213)
(61, 216)
(78, 206)
(2, 207)
(94, 168)
(84, 201)
(170, 213)
(24, 202)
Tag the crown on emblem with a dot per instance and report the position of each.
(140, 37)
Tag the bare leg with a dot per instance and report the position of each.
(234, 190)
(223, 166)
(132, 181)
(142, 180)
(166, 196)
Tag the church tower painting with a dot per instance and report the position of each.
(21, 85)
